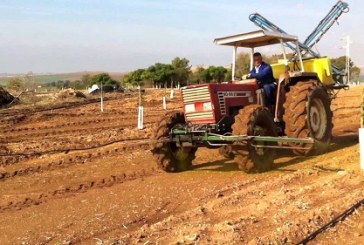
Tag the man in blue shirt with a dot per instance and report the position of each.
(264, 74)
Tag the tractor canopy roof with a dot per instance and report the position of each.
(255, 39)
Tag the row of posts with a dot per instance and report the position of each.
(164, 102)
(140, 104)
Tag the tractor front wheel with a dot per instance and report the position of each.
(169, 156)
(254, 120)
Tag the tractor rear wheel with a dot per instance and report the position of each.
(168, 155)
(254, 120)
(308, 114)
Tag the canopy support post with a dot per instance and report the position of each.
(233, 69)
(300, 56)
(251, 59)
(284, 53)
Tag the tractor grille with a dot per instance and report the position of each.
(193, 95)
(200, 94)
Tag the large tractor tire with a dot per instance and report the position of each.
(254, 120)
(168, 156)
(308, 114)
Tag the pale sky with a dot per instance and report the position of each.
(122, 35)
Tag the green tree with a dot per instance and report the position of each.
(15, 84)
(52, 84)
(108, 83)
(206, 75)
(161, 74)
(355, 73)
(78, 85)
(181, 70)
(192, 78)
(150, 75)
(134, 78)
(63, 84)
(217, 73)
(228, 76)
(126, 80)
(85, 79)
(242, 64)
(101, 77)
(59, 84)
(66, 83)
(203, 75)
(340, 63)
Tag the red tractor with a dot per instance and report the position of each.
(234, 117)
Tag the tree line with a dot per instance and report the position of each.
(86, 81)
(179, 71)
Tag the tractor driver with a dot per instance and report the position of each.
(264, 74)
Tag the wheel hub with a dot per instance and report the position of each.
(259, 131)
(315, 119)
(318, 119)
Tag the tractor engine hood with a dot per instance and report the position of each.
(209, 103)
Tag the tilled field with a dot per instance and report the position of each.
(70, 174)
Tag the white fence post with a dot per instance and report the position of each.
(361, 144)
(140, 111)
(140, 117)
(164, 103)
(102, 99)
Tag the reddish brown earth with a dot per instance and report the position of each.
(74, 175)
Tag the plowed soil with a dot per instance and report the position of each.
(70, 174)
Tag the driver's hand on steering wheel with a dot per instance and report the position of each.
(245, 77)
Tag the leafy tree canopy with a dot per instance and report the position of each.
(108, 83)
(15, 84)
(181, 70)
(215, 74)
(340, 63)
(160, 74)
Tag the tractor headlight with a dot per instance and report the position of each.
(207, 106)
(190, 108)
